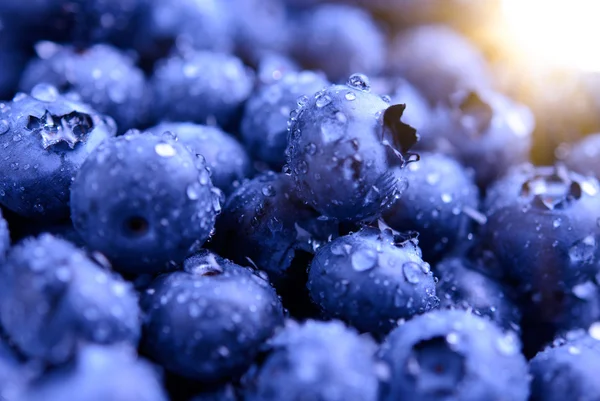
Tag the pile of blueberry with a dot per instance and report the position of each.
(284, 200)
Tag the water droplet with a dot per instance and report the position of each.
(508, 344)
(323, 100)
(350, 96)
(386, 99)
(4, 127)
(431, 178)
(583, 251)
(556, 223)
(302, 100)
(193, 191)
(412, 272)
(311, 149)
(452, 338)
(360, 82)
(585, 290)
(302, 167)
(44, 93)
(573, 350)
(594, 331)
(446, 198)
(364, 259)
(165, 150)
(268, 190)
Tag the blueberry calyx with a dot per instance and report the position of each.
(69, 128)
(552, 191)
(475, 114)
(403, 135)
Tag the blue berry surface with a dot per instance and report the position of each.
(144, 201)
(317, 361)
(208, 322)
(45, 139)
(54, 299)
(453, 355)
(100, 373)
(372, 279)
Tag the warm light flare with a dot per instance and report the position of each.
(555, 33)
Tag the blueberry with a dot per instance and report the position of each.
(541, 225)
(371, 279)
(201, 87)
(185, 23)
(54, 298)
(440, 197)
(209, 321)
(102, 75)
(4, 238)
(483, 130)
(100, 373)
(328, 34)
(13, 372)
(226, 158)
(462, 286)
(258, 27)
(339, 153)
(566, 371)
(438, 61)
(274, 231)
(264, 124)
(45, 138)
(453, 355)
(143, 201)
(582, 156)
(317, 361)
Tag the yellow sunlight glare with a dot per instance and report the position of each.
(555, 33)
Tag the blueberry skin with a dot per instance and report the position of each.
(483, 130)
(45, 139)
(371, 281)
(226, 158)
(270, 226)
(143, 201)
(201, 87)
(565, 372)
(264, 128)
(462, 286)
(13, 372)
(582, 156)
(338, 153)
(438, 61)
(329, 33)
(54, 298)
(4, 238)
(453, 355)
(272, 67)
(315, 360)
(106, 78)
(187, 23)
(541, 225)
(437, 202)
(100, 373)
(208, 322)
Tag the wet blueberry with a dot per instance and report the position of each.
(45, 138)
(54, 299)
(316, 361)
(144, 201)
(201, 87)
(209, 321)
(371, 279)
(100, 373)
(453, 355)
(342, 144)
